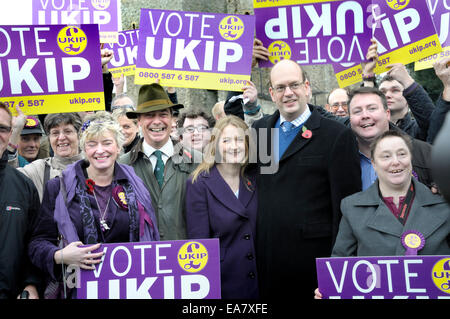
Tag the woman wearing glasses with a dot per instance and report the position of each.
(221, 202)
(62, 131)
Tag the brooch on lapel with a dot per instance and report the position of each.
(250, 185)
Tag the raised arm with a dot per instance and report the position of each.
(442, 70)
(417, 98)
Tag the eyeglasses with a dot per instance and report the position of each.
(335, 106)
(200, 129)
(5, 129)
(55, 134)
(293, 86)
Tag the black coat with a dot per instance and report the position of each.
(299, 205)
(421, 151)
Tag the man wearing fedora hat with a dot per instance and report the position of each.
(162, 163)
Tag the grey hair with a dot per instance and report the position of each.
(120, 112)
(97, 124)
(56, 119)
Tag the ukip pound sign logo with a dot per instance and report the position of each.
(100, 4)
(192, 257)
(279, 50)
(72, 40)
(441, 275)
(397, 4)
(231, 28)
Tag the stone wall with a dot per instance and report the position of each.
(320, 76)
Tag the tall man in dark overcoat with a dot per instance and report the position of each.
(306, 167)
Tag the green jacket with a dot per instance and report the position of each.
(169, 200)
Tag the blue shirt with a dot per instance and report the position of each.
(368, 175)
(284, 138)
(283, 142)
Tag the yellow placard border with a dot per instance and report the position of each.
(403, 55)
(125, 70)
(281, 3)
(58, 103)
(200, 80)
(350, 80)
(109, 37)
(427, 62)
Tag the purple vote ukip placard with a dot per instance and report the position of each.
(51, 68)
(405, 32)
(180, 269)
(125, 53)
(440, 10)
(104, 13)
(315, 31)
(195, 49)
(412, 277)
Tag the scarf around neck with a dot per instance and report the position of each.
(142, 229)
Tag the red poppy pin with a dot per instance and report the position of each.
(119, 197)
(306, 133)
(90, 185)
(250, 185)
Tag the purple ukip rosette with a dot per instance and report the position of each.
(413, 241)
(176, 269)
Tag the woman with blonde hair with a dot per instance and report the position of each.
(221, 202)
(95, 200)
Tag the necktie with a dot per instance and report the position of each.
(159, 168)
(287, 126)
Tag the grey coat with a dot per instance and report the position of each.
(368, 227)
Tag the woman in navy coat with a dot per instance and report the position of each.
(221, 202)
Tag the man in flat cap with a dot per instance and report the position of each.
(160, 162)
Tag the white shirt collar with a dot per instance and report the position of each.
(166, 149)
(299, 120)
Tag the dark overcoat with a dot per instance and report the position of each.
(299, 204)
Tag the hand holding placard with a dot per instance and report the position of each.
(260, 52)
(107, 55)
(399, 72)
(442, 69)
(371, 57)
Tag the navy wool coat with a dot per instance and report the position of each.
(299, 203)
(214, 211)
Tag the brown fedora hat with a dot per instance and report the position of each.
(152, 97)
